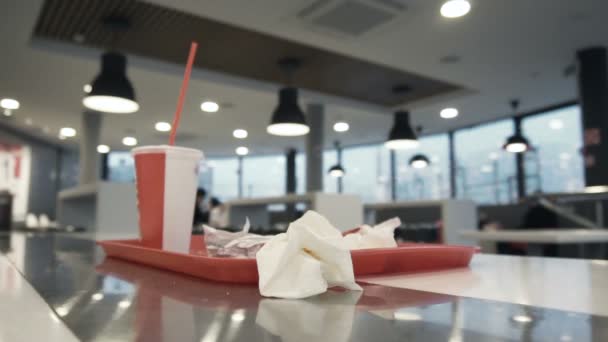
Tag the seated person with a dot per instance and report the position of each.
(201, 212)
(218, 215)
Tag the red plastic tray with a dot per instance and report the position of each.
(406, 258)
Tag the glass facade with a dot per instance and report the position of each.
(555, 164)
(432, 182)
(367, 172)
(484, 172)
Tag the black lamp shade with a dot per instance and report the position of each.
(402, 135)
(419, 161)
(111, 91)
(516, 143)
(288, 119)
(337, 171)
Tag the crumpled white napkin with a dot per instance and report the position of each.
(311, 257)
(378, 236)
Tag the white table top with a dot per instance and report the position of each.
(21, 303)
(557, 236)
(567, 284)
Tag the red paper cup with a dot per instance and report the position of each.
(167, 179)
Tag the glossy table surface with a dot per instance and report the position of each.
(54, 287)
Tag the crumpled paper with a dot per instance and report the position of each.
(311, 257)
(221, 243)
(378, 236)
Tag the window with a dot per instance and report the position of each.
(485, 173)
(367, 172)
(432, 182)
(264, 176)
(121, 167)
(224, 178)
(555, 164)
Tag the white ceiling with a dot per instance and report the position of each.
(509, 48)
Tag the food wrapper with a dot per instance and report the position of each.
(378, 236)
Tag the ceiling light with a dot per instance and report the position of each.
(67, 132)
(455, 8)
(402, 135)
(240, 133)
(596, 189)
(517, 144)
(242, 151)
(341, 126)
(87, 88)
(210, 107)
(97, 296)
(556, 124)
(162, 126)
(522, 318)
(29, 121)
(111, 91)
(419, 161)
(103, 148)
(448, 113)
(288, 119)
(337, 171)
(129, 141)
(10, 104)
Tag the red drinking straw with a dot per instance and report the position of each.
(182, 93)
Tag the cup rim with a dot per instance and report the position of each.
(165, 149)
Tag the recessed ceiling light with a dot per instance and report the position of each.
(67, 132)
(29, 121)
(87, 88)
(240, 133)
(103, 148)
(162, 126)
(129, 141)
(448, 113)
(11, 104)
(556, 124)
(455, 8)
(242, 151)
(210, 107)
(341, 126)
